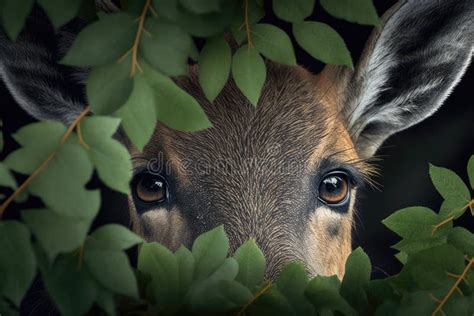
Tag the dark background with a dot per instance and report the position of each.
(446, 139)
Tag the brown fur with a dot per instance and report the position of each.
(296, 123)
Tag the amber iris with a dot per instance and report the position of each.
(151, 188)
(334, 189)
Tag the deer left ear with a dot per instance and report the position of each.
(408, 69)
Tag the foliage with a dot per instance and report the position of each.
(132, 56)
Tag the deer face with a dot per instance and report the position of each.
(285, 173)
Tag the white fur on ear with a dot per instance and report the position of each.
(106, 5)
(409, 68)
(30, 69)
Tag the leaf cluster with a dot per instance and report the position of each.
(134, 53)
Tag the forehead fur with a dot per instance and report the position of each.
(291, 115)
(256, 169)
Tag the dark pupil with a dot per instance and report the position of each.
(332, 185)
(152, 184)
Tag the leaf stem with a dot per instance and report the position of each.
(437, 226)
(136, 43)
(452, 217)
(257, 295)
(455, 287)
(43, 165)
(248, 27)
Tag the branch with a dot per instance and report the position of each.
(136, 43)
(248, 27)
(43, 165)
(257, 295)
(452, 217)
(455, 287)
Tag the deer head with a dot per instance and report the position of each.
(287, 172)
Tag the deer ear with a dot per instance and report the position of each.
(408, 69)
(29, 67)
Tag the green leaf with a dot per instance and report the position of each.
(274, 44)
(210, 250)
(255, 13)
(214, 67)
(14, 15)
(56, 234)
(102, 42)
(402, 257)
(238, 294)
(249, 72)
(87, 11)
(110, 157)
(271, 302)
(175, 107)
(200, 25)
(138, 114)
(166, 48)
(323, 292)
(452, 207)
(412, 222)
(134, 7)
(449, 184)
(293, 11)
(358, 11)
(70, 300)
(61, 184)
(6, 178)
(251, 264)
(356, 278)
(381, 290)
(98, 129)
(59, 11)
(106, 301)
(417, 303)
(186, 266)
(17, 260)
(470, 171)
(462, 239)
(22, 197)
(109, 87)
(429, 268)
(292, 282)
(322, 42)
(110, 268)
(39, 140)
(194, 53)
(115, 237)
(161, 264)
(201, 6)
(207, 295)
(2, 138)
(416, 226)
(6, 309)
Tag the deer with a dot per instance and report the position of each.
(287, 172)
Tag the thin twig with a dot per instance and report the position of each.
(43, 165)
(437, 226)
(461, 277)
(452, 217)
(248, 27)
(136, 43)
(257, 295)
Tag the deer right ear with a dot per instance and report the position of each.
(29, 67)
(409, 67)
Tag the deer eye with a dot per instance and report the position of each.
(334, 189)
(149, 188)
